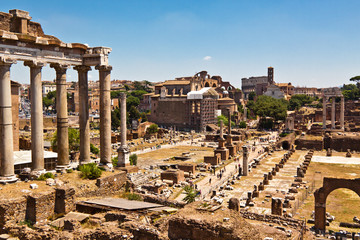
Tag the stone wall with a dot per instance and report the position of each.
(13, 210)
(342, 143)
(301, 143)
(113, 181)
(40, 206)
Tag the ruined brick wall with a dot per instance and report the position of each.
(342, 143)
(175, 176)
(40, 206)
(187, 167)
(13, 210)
(114, 181)
(309, 144)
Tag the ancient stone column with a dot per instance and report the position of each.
(324, 112)
(84, 113)
(221, 129)
(123, 151)
(105, 115)
(333, 113)
(245, 113)
(62, 116)
(229, 122)
(245, 161)
(6, 128)
(342, 110)
(37, 127)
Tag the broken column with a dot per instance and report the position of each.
(6, 125)
(221, 148)
(61, 117)
(105, 115)
(123, 151)
(245, 161)
(37, 127)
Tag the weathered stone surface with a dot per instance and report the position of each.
(234, 204)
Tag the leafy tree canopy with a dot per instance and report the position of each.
(266, 106)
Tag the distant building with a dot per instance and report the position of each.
(46, 88)
(274, 91)
(311, 92)
(286, 88)
(257, 84)
(190, 103)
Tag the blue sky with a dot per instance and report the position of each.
(308, 42)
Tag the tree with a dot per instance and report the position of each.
(132, 101)
(357, 80)
(225, 120)
(266, 106)
(299, 100)
(47, 102)
(153, 128)
(143, 117)
(242, 124)
(138, 94)
(252, 96)
(115, 118)
(350, 92)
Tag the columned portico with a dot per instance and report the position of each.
(62, 116)
(333, 93)
(342, 110)
(37, 128)
(84, 113)
(6, 128)
(105, 115)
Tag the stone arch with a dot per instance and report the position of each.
(329, 185)
(207, 84)
(285, 145)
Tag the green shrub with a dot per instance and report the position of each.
(69, 170)
(242, 124)
(45, 176)
(133, 196)
(114, 161)
(90, 171)
(133, 159)
(94, 149)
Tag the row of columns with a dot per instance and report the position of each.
(342, 110)
(37, 141)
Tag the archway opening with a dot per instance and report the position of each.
(214, 85)
(342, 205)
(207, 84)
(285, 145)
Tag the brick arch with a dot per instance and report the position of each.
(329, 185)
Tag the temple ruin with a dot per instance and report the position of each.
(24, 40)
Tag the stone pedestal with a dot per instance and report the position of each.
(276, 206)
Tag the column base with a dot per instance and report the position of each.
(10, 179)
(106, 166)
(123, 158)
(61, 168)
(36, 173)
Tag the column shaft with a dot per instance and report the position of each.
(342, 110)
(62, 116)
(123, 119)
(245, 161)
(84, 113)
(37, 127)
(324, 112)
(6, 128)
(333, 113)
(105, 114)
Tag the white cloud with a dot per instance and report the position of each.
(207, 58)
